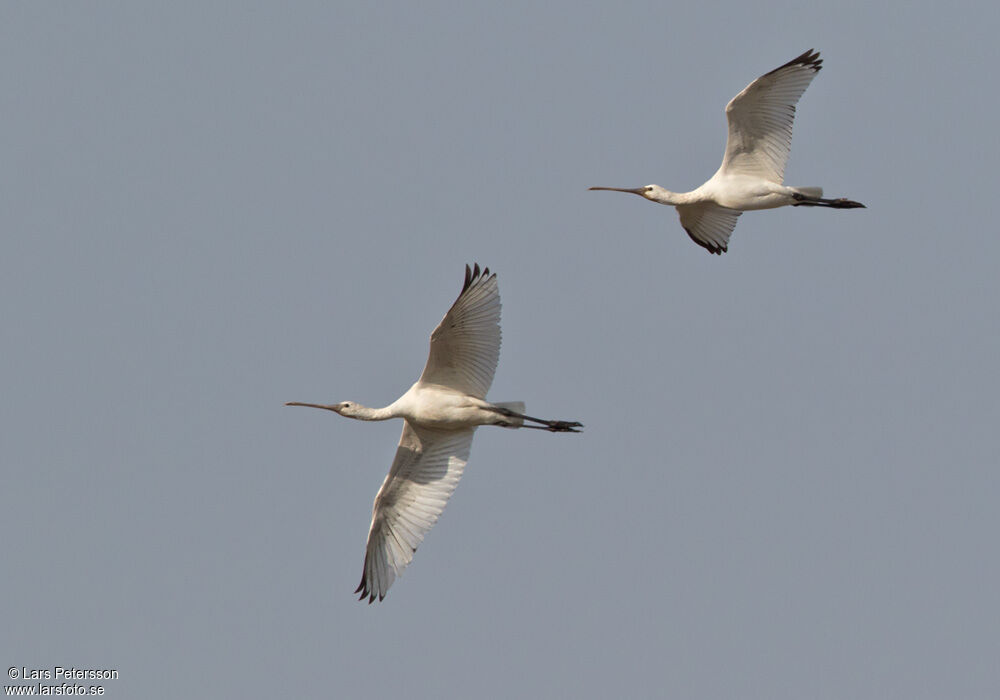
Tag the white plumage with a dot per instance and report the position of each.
(423, 476)
(753, 167)
(440, 414)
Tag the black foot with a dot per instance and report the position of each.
(847, 204)
(563, 426)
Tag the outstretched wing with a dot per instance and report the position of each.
(760, 119)
(465, 346)
(423, 476)
(708, 225)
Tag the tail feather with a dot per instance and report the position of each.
(815, 192)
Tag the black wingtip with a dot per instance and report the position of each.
(710, 247)
(808, 59)
(474, 274)
(363, 590)
(470, 275)
(370, 596)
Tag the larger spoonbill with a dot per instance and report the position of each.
(440, 413)
(753, 166)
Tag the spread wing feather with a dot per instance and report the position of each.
(423, 476)
(708, 225)
(760, 119)
(465, 346)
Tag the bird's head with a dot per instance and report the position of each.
(344, 408)
(650, 192)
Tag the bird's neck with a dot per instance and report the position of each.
(368, 413)
(667, 197)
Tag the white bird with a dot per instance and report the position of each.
(440, 414)
(753, 167)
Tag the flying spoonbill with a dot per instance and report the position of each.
(440, 413)
(753, 166)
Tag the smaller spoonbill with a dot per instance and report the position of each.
(440, 413)
(753, 166)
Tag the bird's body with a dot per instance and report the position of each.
(752, 173)
(443, 408)
(432, 406)
(440, 413)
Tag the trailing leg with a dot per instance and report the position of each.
(555, 426)
(802, 200)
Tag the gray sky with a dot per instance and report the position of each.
(788, 483)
